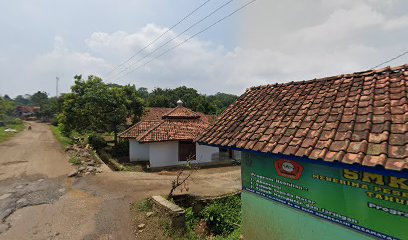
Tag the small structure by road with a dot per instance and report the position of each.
(322, 159)
(166, 137)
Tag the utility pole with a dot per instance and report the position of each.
(56, 86)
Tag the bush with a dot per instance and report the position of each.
(54, 121)
(145, 206)
(121, 149)
(223, 216)
(96, 141)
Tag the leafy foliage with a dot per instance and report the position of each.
(145, 205)
(65, 141)
(94, 106)
(213, 104)
(223, 216)
(96, 141)
(7, 107)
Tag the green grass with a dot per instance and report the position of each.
(18, 126)
(63, 140)
(144, 206)
(75, 161)
(222, 216)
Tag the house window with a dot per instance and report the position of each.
(187, 151)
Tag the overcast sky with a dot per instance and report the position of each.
(267, 42)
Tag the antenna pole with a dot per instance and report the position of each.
(56, 86)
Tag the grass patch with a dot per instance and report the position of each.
(222, 218)
(75, 161)
(63, 140)
(115, 163)
(17, 125)
(144, 206)
(117, 166)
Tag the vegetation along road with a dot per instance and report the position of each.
(39, 201)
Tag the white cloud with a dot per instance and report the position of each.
(397, 23)
(345, 37)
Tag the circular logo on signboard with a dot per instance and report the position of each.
(288, 169)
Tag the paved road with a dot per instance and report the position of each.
(38, 201)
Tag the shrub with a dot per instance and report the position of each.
(145, 205)
(223, 216)
(96, 141)
(121, 148)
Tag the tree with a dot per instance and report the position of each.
(213, 104)
(50, 108)
(21, 100)
(134, 102)
(143, 93)
(7, 107)
(39, 98)
(222, 101)
(93, 106)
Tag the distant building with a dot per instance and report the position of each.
(166, 137)
(322, 159)
(27, 112)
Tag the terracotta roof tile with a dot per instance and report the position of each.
(169, 124)
(353, 118)
(351, 158)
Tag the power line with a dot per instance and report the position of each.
(160, 36)
(390, 60)
(186, 40)
(172, 39)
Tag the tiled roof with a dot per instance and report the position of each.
(174, 129)
(155, 114)
(181, 112)
(357, 118)
(138, 129)
(168, 124)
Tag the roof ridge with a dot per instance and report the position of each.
(143, 135)
(334, 77)
(129, 129)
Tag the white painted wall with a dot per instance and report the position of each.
(164, 154)
(138, 151)
(206, 153)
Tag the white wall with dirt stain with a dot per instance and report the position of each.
(206, 154)
(163, 154)
(138, 151)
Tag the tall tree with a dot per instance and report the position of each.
(39, 98)
(95, 106)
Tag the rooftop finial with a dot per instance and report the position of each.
(179, 103)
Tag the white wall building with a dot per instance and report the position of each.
(165, 137)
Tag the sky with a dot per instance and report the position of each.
(265, 42)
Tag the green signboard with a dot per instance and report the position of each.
(370, 203)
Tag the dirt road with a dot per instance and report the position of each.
(38, 201)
